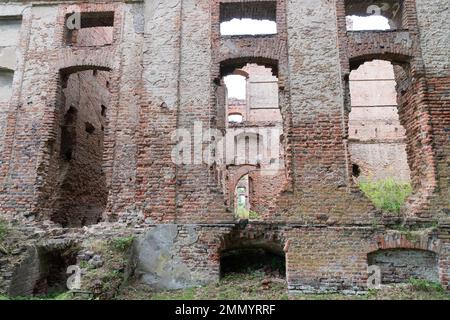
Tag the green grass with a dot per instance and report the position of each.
(426, 285)
(55, 296)
(122, 244)
(246, 214)
(235, 286)
(256, 286)
(387, 195)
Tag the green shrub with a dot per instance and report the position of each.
(426, 285)
(246, 214)
(3, 230)
(123, 243)
(254, 215)
(387, 194)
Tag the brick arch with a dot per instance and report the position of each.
(250, 238)
(237, 176)
(399, 240)
(230, 64)
(81, 60)
(257, 235)
(395, 58)
(79, 68)
(239, 173)
(240, 72)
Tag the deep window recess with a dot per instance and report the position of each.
(248, 18)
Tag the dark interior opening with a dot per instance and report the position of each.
(258, 10)
(53, 264)
(356, 170)
(248, 260)
(68, 134)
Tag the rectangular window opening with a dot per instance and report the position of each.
(248, 18)
(374, 15)
(89, 29)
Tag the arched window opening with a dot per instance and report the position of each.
(254, 257)
(252, 91)
(377, 139)
(235, 118)
(43, 272)
(242, 198)
(248, 96)
(374, 15)
(248, 18)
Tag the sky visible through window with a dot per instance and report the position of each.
(247, 27)
(369, 23)
(236, 85)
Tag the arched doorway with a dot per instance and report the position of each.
(75, 191)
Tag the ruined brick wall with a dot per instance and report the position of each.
(165, 62)
(435, 51)
(269, 51)
(336, 259)
(316, 139)
(48, 23)
(402, 48)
